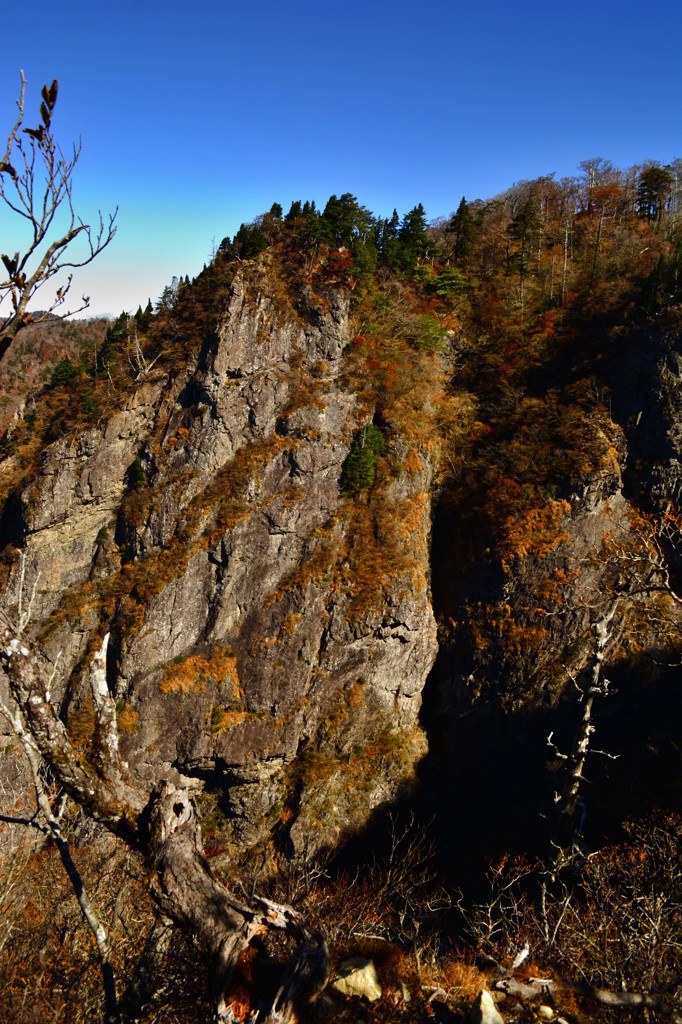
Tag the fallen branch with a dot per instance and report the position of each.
(537, 988)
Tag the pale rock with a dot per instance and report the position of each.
(358, 977)
(484, 1010)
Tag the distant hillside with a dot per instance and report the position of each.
(28, 364)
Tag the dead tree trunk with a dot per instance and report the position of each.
(164, 827)
(566, 839)
(185, 889)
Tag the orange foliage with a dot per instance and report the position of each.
(382, 553)
(533, 534)
(190, 675)
(128, 720)
(223, 719)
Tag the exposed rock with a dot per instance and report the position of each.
(484, 1010)
(271, 639)
(358, 977)
(203, 525)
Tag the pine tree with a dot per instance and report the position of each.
(653, 191)
(387, 239)
(346, 220)
(464, 230)
(295, 211)
(412, 241)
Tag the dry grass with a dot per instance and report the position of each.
(191, 674)
(222, 719)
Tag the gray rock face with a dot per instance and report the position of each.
(75, 499)
(267, 634)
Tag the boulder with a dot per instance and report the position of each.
(484, 1010)
(358, 977)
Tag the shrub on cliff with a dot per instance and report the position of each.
(359, 469)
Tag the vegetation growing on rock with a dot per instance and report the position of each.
(350, 434)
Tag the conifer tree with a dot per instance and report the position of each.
(653, 191)
(295, 211)
(359, 469)
(345, 219)
(387, 239)
(464, 230)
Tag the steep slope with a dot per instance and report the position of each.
(241, 492)
(270, 637)
(557, 543)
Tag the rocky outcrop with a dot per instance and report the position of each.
(270, 638)
(358, 977)
(484, 1010)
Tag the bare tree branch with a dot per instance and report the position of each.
(51, 826)
(36, 184)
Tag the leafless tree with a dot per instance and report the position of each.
(637, 593)
(36, 185)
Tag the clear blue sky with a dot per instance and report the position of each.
(195, 117)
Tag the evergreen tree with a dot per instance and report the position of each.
(143, 316)
(413, 227)
(387, 240)
(346, 220)
(168, 296)
(116, 333)
(305, 225)
(249, 241)
(360, 467)
(463, 229)
(295, 211)
(653, 191)
(413, 242)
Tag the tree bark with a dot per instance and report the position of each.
(163, 825)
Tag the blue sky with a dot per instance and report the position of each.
(197, 117)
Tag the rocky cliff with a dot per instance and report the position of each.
(273, 630)
(270, 636)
